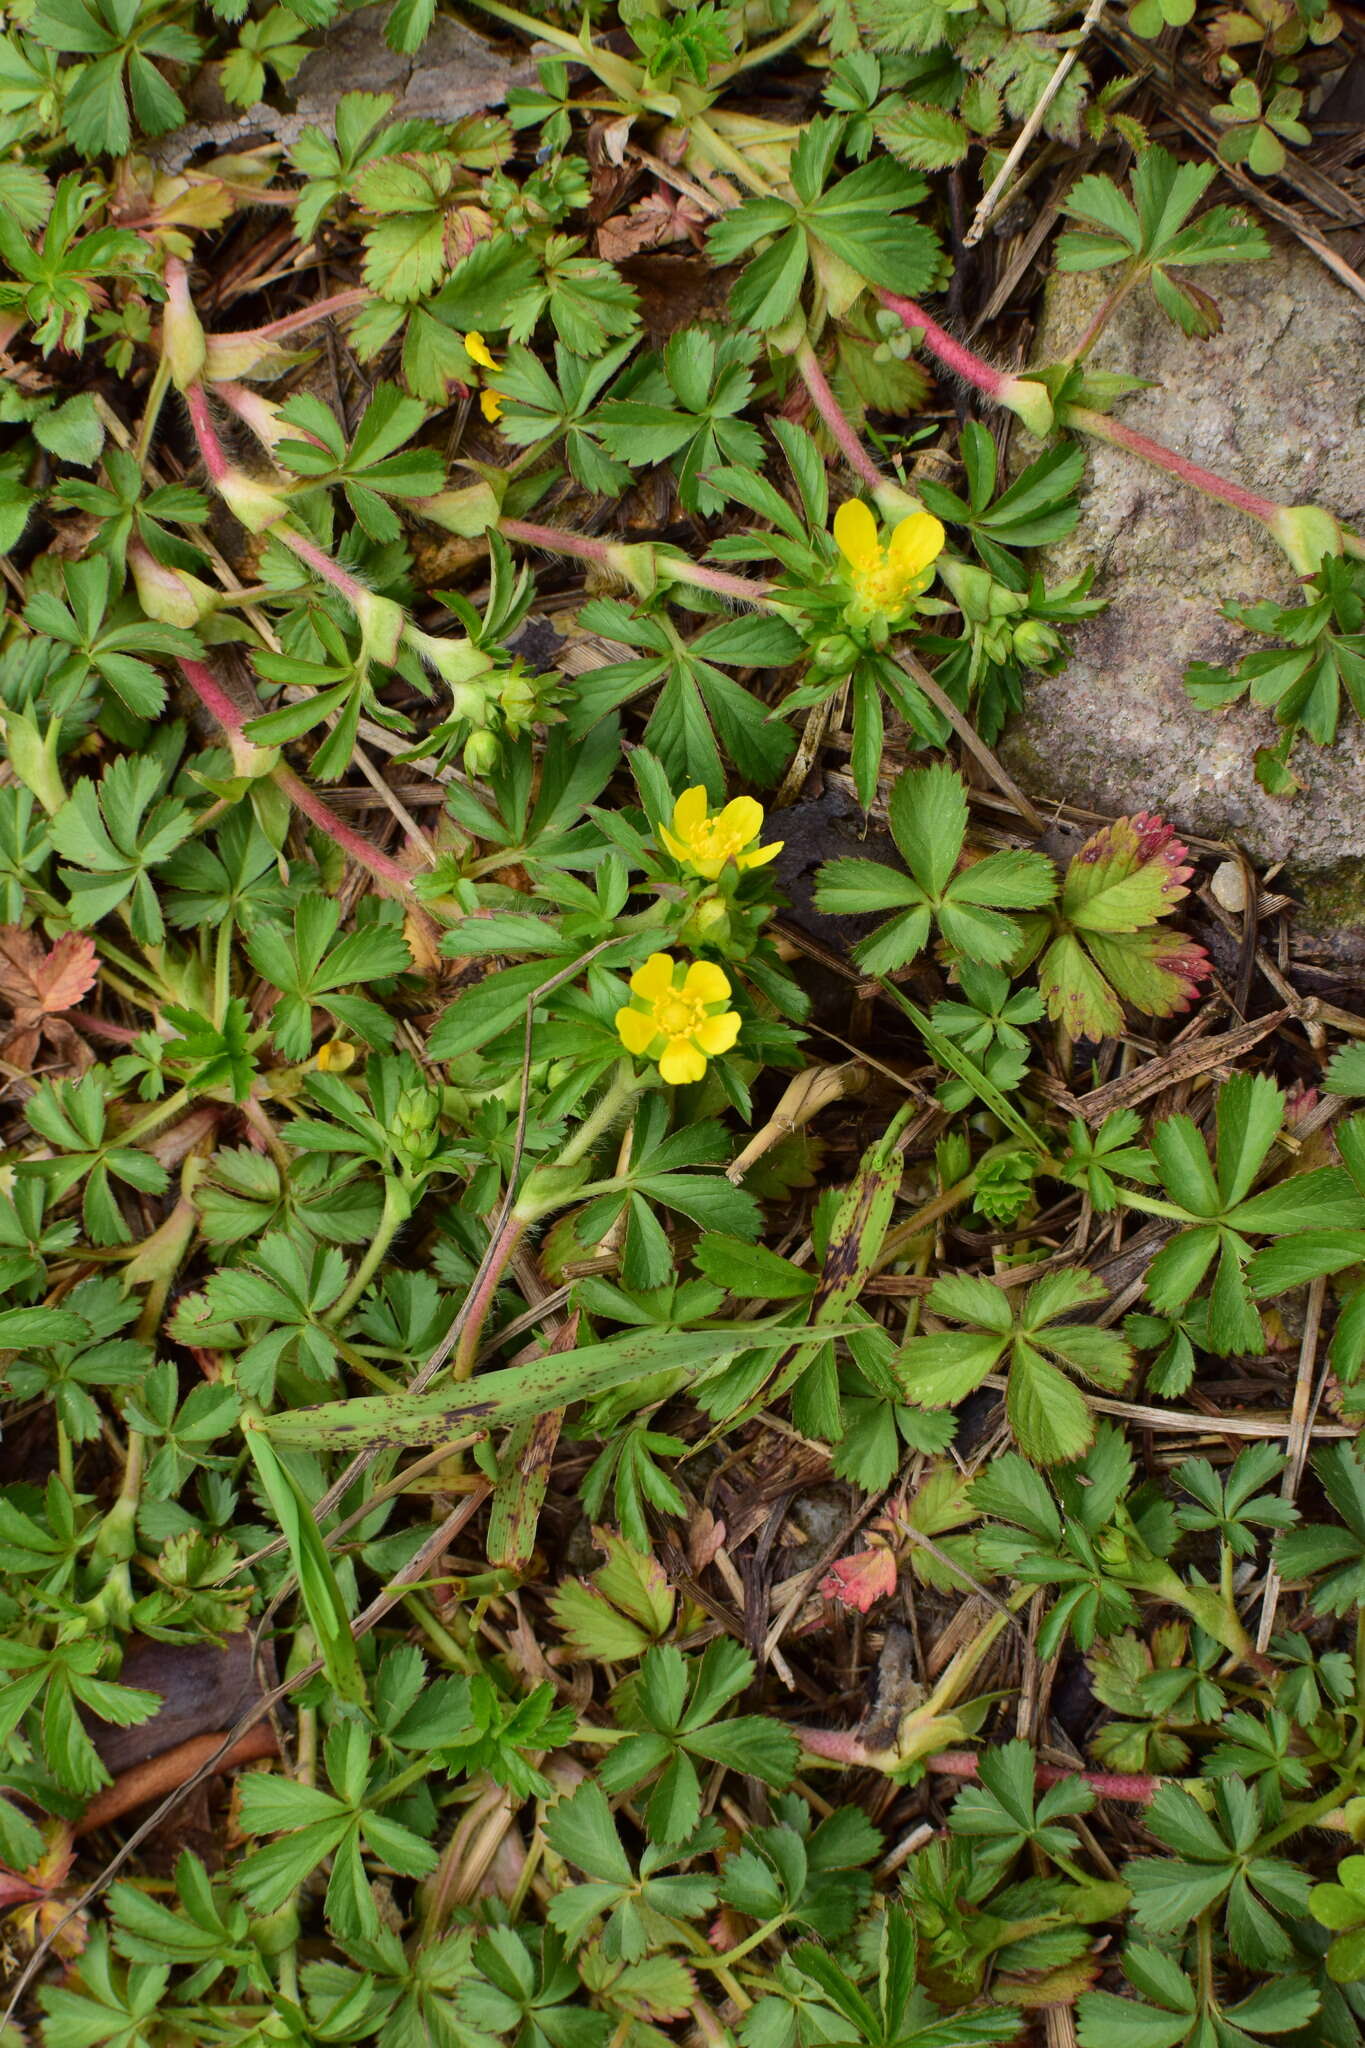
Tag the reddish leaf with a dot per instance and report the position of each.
(860, 1579)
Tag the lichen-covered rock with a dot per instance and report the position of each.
(1274, 401)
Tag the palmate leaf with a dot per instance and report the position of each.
(968, 903)
(1104, 951)
(1048, 1415)
(852, 234)
(376, 466)
(1224, 1214)
(1153, 234)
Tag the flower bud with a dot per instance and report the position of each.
(1035, 643)
(517, 699)
(170, 596)
(837, 653)
(1029, 401)
(182, 337)
(482, 752)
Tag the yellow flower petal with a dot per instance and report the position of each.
(743, 817)
(679, 848)
(706, 983)
(636, 1031)
(689, 812)
(916, 543)
(761, 854)
(490, 405)
(717, 1034)
(682, 1062)
(655, 978)
(855, 533)
(478, 351)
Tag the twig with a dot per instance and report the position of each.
(989, 206)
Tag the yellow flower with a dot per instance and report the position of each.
(490, 405)
(886, 577)
(678, 1017)
(334, 1056)
(478, 351)
(705, 844)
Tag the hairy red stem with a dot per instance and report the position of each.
(834, 417)
(1101, 428)
(953, 354)
(558, 541)
(304, 798)
(320, 562)
(1136, 1788)
(206, 434)
(307, 316)
(499, 1253)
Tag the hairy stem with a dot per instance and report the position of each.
(305, 799)
(832, 413)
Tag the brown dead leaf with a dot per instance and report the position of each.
(659, 219)
(38, 984)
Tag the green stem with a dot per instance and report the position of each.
(751, 1941)
(763, 53)
(1150, 1206)
(1106, 312)
(395, 1213)
(222, 970)
(172, 1106)
(625, 1083)
(160, 385)
(1307, 1815)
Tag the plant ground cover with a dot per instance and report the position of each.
(672, 1373)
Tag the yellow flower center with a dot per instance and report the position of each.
(679, 1015)
(714, 840)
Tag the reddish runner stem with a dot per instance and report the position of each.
(216, 700)
(834, 417)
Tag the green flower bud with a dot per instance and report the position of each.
(170, 596)
(837, 653)
(971, 587)
(1035, 643)
(482, 752)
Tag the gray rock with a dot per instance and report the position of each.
(1274, 402)
(456, 72)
